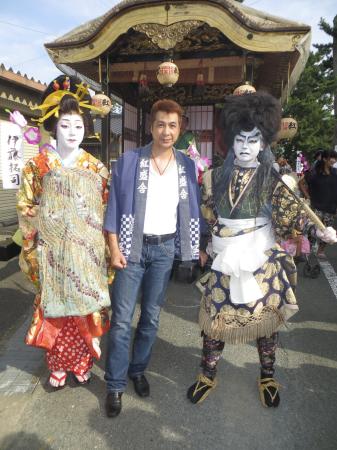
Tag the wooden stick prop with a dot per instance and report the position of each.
(309, 212)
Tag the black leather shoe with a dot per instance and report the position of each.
(141, 385)
(113, 404)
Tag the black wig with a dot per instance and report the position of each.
(244, 113)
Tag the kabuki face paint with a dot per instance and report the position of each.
(69, 132)
(247, 145)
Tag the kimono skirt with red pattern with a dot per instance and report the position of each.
(68, 340)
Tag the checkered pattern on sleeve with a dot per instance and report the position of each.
(194, 237)
(125, 234)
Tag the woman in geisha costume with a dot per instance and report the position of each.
(60, 207)
(249, 292)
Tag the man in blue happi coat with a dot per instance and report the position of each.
(152, 216)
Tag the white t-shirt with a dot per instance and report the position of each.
(162, 201)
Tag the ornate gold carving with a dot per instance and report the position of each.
(167, 37)
(201, 38)
(295, 40)
(189, 95)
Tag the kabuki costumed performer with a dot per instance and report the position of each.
(249, 292)
(60, 206)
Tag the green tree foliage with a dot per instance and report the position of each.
(311, 104)
(332, 60)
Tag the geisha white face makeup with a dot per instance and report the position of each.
(247, 145)
(69, 133)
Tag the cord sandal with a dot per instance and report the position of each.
(200, 389)
(269, 392)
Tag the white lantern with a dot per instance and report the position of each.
(102, 102)
(288, 128)
(167, 73)
(244, 89)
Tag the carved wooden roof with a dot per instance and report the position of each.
(251, 17)
(137, 35)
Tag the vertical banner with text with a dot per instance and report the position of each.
(11, 149)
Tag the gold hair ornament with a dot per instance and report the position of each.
(53, 101)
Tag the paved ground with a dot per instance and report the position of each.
(32, 417)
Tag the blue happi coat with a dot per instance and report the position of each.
(127, 202)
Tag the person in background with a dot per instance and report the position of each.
(319, 185)
(317, 157)
(153, 214)
(60, 207)
(186, 137)
(187, 144)
(285, 167)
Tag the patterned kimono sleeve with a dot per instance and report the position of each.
(288, 217)
(207, 209)
(27, 209)
(104, 173)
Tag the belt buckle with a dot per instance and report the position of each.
(150, 239)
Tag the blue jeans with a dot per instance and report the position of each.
(152, 273)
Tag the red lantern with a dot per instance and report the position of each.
(143, 84)
(200, 79)
(167, 73)
(143, 80)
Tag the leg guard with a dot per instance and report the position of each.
(268, 387)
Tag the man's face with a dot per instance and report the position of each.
(69, 131)
(247, 145)
(165, 129)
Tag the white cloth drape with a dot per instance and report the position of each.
(240, 256)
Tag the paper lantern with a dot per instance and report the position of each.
(244, 89)
(288, 128)
(167, 73)
(102, 102)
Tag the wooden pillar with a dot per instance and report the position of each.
(123, 124)
(143, 126)
(105, 142)
(139, 123)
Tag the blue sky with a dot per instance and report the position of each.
(26, 26)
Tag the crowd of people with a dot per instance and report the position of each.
(73, 248)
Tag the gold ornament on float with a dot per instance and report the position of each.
(167, 73)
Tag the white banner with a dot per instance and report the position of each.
(11, 148)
